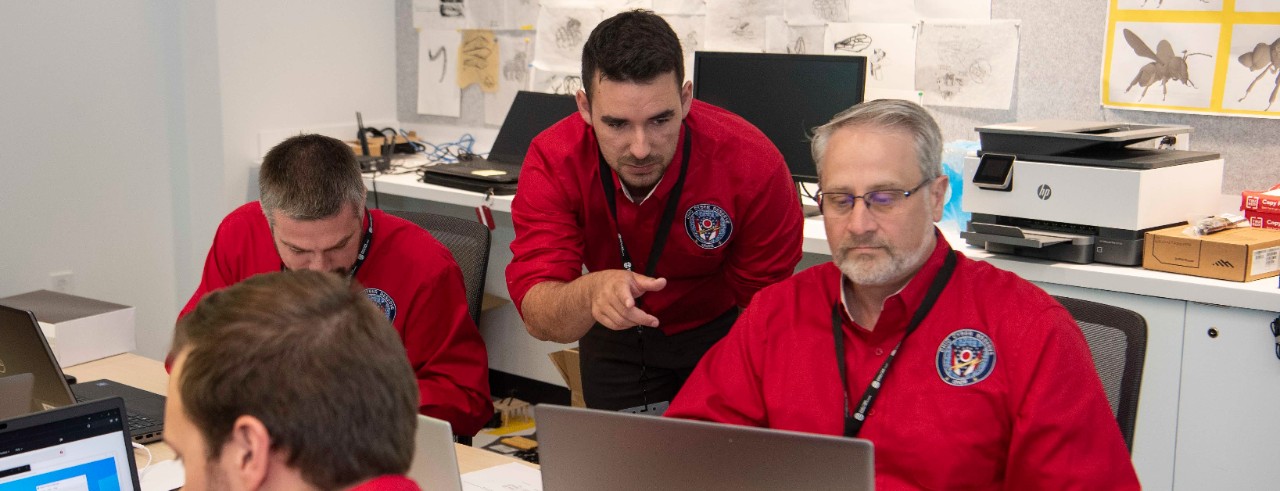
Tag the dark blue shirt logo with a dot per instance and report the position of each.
(708, 225)
(383, 301)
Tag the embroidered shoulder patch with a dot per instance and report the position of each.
(966, 357)
(708, 225)
(383, 301)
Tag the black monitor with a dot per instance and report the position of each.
(786, 96)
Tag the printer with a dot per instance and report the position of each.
(1082, 192)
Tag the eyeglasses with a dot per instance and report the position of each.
(881, 202)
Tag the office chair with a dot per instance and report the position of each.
(468, 241)
(1117, 339)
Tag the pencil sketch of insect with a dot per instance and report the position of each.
(743, 29)
(831, 10)
(1165, 65)
(875, 65)
(569, 35)
(517, 68)
(566, 85)
(1263, 57)
(856, 43)
(796, 48)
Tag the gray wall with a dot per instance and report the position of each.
(1059, 69)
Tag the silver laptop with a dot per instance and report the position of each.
(587, 449)
(24, 349)
(82, 446)
(435, 461)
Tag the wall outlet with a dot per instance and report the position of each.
(62, 282)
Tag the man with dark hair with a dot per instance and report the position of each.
(312, 216)
(962, 375)
(680, 211)
(282, 382)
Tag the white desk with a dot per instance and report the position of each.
(1207, 404)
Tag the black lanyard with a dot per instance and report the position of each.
(365, 241)
(668, 214)
(853, 421)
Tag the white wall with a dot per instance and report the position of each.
(131, 126)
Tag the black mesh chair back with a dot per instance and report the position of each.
(468, 241)
(1117, 339)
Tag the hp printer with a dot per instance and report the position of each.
(1082, 192)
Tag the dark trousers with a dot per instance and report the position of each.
(639, 367)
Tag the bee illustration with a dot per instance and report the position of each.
(853, 44)
(1263, 57)
(1166, 66)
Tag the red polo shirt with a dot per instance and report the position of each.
(737, 227)
(1034, 416)
(416, 283)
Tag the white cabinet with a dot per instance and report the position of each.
(1229, 408)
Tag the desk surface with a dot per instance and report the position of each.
(148, 374)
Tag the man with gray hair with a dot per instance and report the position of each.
(964, 376)
(312, 216)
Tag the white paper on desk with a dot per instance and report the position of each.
(786, 37)
(738, 25)
(438, 92)
(882, 11)
(515, 52)
(689, 29)
(561, 33)
(808, 12)
(554, 81)
(439, 14)
(679, 7)
(967, 63)
(505, 477)
(890, 50)
(954, 9)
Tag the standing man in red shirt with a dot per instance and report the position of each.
(312, 215)
(680, 211)
(964, 376)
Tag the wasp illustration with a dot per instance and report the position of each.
(1166, 66)
(1263, 57)
(853, 44)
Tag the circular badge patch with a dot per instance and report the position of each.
(966, 357)
(708, 225)
(383, 301)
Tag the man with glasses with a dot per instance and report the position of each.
(962, 375)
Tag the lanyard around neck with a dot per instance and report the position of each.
(363, 253)
(668, 213)
(853, 419)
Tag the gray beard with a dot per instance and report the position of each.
(897, 266)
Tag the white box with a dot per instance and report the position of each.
(79, 329)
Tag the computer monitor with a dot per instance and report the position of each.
(786, 96)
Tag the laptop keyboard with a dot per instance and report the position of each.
(136, 421)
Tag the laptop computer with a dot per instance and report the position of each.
(24, 349)
(82, 446)
(590, 449)
(530, 113)
(15, 394)
(435, 461)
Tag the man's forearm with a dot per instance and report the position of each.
(560, 312)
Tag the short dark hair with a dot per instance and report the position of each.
(310, 177)
(310, 356)
(635, 45)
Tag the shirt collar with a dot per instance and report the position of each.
(899, 306)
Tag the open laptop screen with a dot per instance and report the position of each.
(530, 114)
(83, 447)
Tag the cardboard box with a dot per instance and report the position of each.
(566, 361)
(1261, 201)
(1239, 254)
(1259, 219)
(79, 329)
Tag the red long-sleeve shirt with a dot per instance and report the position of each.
(415, 281)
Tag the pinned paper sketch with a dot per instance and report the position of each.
(515, 52)
(613, 7)
(1179, 72)
(780, 37)
(485, 15)
(438, 92)
(967, 63)
(738, 25)
(439, 14)
(799, 12)
(882, 11)
(478, 60)
(1253, 77)
(890, 50)
(1172, 5)
(554, 82)
(561, 34)
(688, 29)
(521, 14)
(954, 9)
(680, 7)
(1261, 6)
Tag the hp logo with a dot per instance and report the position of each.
(1044, 192)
